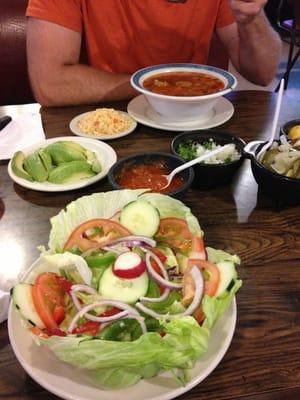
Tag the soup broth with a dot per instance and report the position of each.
(183, 84)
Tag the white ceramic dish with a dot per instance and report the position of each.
(69, 383)
(76, 130)
(141, 111)
(183, 108)
(105, 153)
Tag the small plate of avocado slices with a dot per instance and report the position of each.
(61, 164)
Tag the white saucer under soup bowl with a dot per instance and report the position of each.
(183, 104)
(142, 112)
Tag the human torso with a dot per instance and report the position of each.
(125, 35)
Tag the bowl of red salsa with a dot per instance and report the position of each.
(147, 170)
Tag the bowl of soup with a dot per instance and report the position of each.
(183, 92)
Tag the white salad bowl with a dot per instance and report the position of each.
(182, 108)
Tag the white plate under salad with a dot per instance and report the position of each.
(130, 360)
(105, 153)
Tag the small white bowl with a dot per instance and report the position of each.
(183, 108)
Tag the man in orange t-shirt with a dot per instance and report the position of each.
(122, 36)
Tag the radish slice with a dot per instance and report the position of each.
(129, 265)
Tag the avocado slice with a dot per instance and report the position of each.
(17, 165)
(34, 166)
(73, 145)
(46, 159)
(93, 160)
(62, 153)
(69, 172)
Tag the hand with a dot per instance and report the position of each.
(246, 10)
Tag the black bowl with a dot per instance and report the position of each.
(171, 161)
(286, 127)
(211, 175)
(280, 188)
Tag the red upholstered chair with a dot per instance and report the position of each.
(292, 27)
(14, 81)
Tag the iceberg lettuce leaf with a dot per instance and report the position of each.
(185, 341)
(170, 207)
(55, 262)
(214, 307)
(216, 256)
(97, 205)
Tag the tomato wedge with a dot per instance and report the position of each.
(212, 275)
(48, 297)
(88, 327)
(175, 233)
(95, 233)
(199, 315)
(198, 248)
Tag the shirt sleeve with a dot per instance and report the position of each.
(66, 13)
(225, 16)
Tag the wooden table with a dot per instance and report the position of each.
(263, 361)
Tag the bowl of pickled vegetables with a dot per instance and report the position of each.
(277, 170)
(291, 129)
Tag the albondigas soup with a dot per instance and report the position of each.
(183, 83)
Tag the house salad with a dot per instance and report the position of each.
(126, 288)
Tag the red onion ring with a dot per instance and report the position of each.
(199, 285)
(134, 240)
(83, 288)
(80, 288)
(117, 248)
(84, 312)
(156, 299)
(164, 281)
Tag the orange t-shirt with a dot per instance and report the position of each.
(125, 35)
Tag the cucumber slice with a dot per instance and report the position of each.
(141, 218)
(227, 274)
(22, 299)
(127, 290)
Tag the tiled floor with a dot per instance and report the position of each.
(294, 80)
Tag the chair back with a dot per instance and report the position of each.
(288, 16)
(296, 12)
(14, 80)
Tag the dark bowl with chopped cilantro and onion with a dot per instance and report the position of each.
(218, 170)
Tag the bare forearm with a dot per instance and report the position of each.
(79, 84)
(259, 50)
